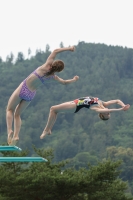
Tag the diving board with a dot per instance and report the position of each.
(23, 159)
(10, 148)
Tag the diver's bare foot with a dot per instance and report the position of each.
(9, 138)
(14, 141)
(45, 133)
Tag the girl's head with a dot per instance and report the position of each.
(104, 116)
(57, 66)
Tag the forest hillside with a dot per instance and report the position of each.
(105, 72)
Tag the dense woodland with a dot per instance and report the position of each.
(48, 181)
(105, 72)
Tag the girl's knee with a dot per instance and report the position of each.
(9, 110)
(16, 114)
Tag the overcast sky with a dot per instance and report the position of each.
(33, 24)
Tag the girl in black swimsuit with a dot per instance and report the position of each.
(74, 106)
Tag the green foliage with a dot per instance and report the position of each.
(104, 71)
(47, 181)
(82, 159)
(126, 155)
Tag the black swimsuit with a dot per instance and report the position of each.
(85, 102)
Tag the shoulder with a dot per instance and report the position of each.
(41, 69)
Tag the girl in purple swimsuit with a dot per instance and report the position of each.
(26, 91)
(74, 106)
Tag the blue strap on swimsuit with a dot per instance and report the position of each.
(42, 78)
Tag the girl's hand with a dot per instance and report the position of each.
(126, 107)
(76, 78)
(72, 48)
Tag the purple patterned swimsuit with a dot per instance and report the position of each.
(27, 94)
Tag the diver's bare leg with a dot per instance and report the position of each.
(17, 119)
(12, 103)
(54, 110)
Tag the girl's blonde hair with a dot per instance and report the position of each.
(102, 116)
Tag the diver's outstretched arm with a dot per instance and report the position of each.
(106, 110)
(52, 56)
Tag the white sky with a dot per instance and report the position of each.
(33, 24)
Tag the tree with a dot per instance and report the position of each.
(61, 45)
(10, 58)
(126, 155)
(20, 57)
(44, 181)
(0, 60)
(47, 48)
(103, 73)
(29, 52)
(82, 159)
